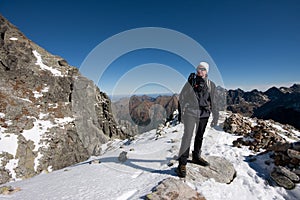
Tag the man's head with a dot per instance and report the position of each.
(202, 69)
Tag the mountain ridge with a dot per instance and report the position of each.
(50, 115)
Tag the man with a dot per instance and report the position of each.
(197, 100)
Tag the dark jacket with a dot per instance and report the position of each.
(198, 99)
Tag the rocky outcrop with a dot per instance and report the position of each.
(50, 115)
(266, 136)
(256, 133)
(286, 157)
(220, 169)
(171, 189)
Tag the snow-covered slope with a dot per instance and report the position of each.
(147, 164)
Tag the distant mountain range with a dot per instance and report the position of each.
(144, 112)
(280, 104)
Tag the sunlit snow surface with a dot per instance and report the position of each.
(146, 167)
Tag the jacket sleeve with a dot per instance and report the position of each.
(182, 98)
(214, 102)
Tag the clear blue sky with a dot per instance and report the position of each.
(255, 44)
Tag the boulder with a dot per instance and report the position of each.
(280, 147)
(173, 189)
(293, 154)
(6, 190)
(286, 172)
(123, 156)
(282, 180)
(220, 169)
(4, 176)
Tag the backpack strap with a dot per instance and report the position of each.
(208, 83)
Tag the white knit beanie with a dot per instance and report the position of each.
(205, 65)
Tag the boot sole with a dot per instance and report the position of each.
(179, 174)
(201, 164)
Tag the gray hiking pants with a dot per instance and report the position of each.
(189, 125)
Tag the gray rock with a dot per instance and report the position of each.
(4, 176)
(282, 180)
(280, 147)
(8, 190)
(123, 156)
(289, 174)
(63, 63)
(171, 189)
(86, 119)
(220, 169)
(26, 158)
(293, 154)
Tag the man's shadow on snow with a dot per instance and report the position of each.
(131, 162)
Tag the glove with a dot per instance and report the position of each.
(214, 122)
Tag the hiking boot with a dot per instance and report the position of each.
(181, 171)
(200, 161)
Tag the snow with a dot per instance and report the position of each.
(278, 127)
(49, 169)
(147, 166)
(53, 105)
(297, 133)
(13, 38)
(8, 143)
(127, 195)
(2, 115)
(282, 132)
(24, 99)
(39, 62)
(37, 131)
(36, 161)
(37, 94)
(13, 163)
(9, 122)
(43, 115)
(41, 127)
(40, 94)
(63, 121)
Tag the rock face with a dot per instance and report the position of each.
(284, 109)
(279, 104)
(50, 116)
(239, 101)
(171, 189)
(220, 169)
(144, 113)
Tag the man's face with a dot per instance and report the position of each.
(201, 71)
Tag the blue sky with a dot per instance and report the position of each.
(255, 44)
